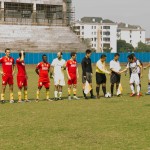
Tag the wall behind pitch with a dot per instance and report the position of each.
(34, 58)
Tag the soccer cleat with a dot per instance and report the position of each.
(55, 99)
(37, 100)
(49, 100)
(93, 97)
(148, 93)
(11, 101)
(2, 101)
(27, 101)
(69, 97)
(132, 94)
(20, 101)
(75, 97)
(60, 98)
(86, 97)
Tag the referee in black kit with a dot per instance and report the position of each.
(87, 72)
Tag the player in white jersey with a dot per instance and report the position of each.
(148, 66)
(133, 65)
(58, 66)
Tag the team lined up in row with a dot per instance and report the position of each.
(57, 71)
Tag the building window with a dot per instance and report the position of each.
(92, 27)
(82, 33)
(92, 39)
(95, 39)
(130, 36)
(106, 27)
(94, 45)
(130, 41)
(106, 33)
(106, 39)
(82, 27)
(130, 31)
(106, 46)
(94, 33)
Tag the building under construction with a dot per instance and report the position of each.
(37, 25)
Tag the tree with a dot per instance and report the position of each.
(122, 46)
(142, 47)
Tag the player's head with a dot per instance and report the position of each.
(7, 52)
(59, 55)
(133, 56)
(116, 56)
(21, 54)
(88, 53)
(44, 58)
(73, 55)
(103, 57)
(130, 58)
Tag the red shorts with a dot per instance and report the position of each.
(21, 81)
(73, 80)
(7, 80)
(45, 84)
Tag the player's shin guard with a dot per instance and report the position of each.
(47, 94)
(37, 94)
(60, 94)
(74, 91)
(25, 95)
(11, 96)
(19, 96)
(2, 97)
(132, 88)
(69, 91)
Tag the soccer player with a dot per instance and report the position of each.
(73, 74)
(87, 72)
(115, 75)
(148, 92)
(100, 75)
(22, 77)
(42, 70)
(133, 65)
(8, 70)
(58, 66)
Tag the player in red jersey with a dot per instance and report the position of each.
(8, 70)
(22, 77)
(73, 74)
(42, 70)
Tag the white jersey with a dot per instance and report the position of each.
(58, 64)
(115, 65)
(134, 67)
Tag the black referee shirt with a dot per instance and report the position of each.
(86, 65)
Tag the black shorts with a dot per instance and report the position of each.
(115, 78)
(100, 78)
(88, 78)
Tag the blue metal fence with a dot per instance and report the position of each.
(34, 58)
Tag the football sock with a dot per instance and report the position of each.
(74, 91)
(84, 94)
(11, 96)
(138, 89)
(91, 92)
(19, 96)
(132, 88)
(2, 96)
(25, 95)
(47, 93)
(69, 91)
(37, 94)
(104, 89)
(56, 94)
(60, 94)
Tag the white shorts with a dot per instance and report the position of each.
(59, 80)
(135, 79)
(149, 75)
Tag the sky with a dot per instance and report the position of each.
(134, 12)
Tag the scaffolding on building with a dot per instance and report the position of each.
(24, 13)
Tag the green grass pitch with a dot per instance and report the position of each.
(118, 123)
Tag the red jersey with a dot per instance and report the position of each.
(72, 67)
(7, 65)
(21, 67)
(43, 70)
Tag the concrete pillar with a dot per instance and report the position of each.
(2, 11)
(64, 12)
(34, 13)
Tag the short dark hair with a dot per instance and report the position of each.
(88, 51)
(20, 54)
(131, 56)
(44, 55)
(7, 49)
(116, 54)
(103, 56)
(73, 54)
